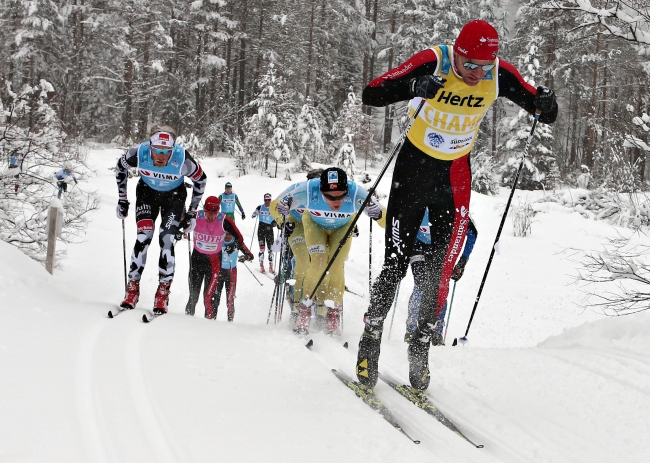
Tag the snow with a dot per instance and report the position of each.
(540, 380)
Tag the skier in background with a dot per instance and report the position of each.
(330, 202)
(212, 227)
(265, 236)
(63, 177)
(228, 277)
(161, 190)
(15, 161)
(228, 201)
(421, 264)
(458, 85)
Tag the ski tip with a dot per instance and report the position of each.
(110, 314)
(416, 441)
(455, 343)
(145, 319)
(479, 446)
(309, 344)
(345, 344)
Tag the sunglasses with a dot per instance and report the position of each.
(486, 67)
(334, 198)
(163, 152)
(211, 211)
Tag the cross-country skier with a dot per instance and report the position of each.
(163, 165)
(228, 277)
(458, 84)
(228, 201)
(421, 264)
(265, 229)
(295, 236)
(15, 161)
(329, 202)
(64, 176)
(210, 233)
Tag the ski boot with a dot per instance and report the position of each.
(271, 269)
(369, 347)
(334, 321)
(132, 295)
(320, 323)
(418, 357)
(366, 393)
(302, 321)
(161, 299)
(262, 270)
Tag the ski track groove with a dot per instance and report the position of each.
(157, 433)
(86, 401)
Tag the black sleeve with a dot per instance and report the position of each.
(513, 87)
(128, 159)
(393, 86)
(193, 170)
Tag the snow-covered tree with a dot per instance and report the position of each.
(308, 135)
(540, 170)
(29, 122)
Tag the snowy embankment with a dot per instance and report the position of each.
(541, 379)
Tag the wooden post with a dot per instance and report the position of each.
(53, 230)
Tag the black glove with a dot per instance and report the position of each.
(241, 258)
(426, 86)
(230, 248)
(188, 222)
(289, 227)
(243, 216)
(355, 232)
(459, 268)
(248, 256)
(122, 210)
(545, 99)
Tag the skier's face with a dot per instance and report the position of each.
(335, 199)
(211, 216)
(160, 155)
(471, 76)
(228, 190)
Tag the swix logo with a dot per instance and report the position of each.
(145, 225)
(299, 210)
(455, 100)
(424, 229)
(460, 235)
(331, 214)
(159, 175)
(397, 241)
(171, 220)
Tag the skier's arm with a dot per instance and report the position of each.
(230, 227)
(128, 159)
(513, 87)
(241, 209)
(193, 170)
(394, 85)
(373, 209)
(256, 212)
(296, 194)
(472, 234)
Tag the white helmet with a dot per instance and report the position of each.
(67, 165)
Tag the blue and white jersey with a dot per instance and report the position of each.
(424, 234)
(229, 260)
(228, 203)
(14, 159)
(264, 214)
(308, 195)
(161, 178)
(61, 174)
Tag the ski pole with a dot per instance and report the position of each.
(503, 220)
(268, 317)
(251, 272)
(189, 253)
(253, 237)
(124, 252)
(370, 261)
(394, 309)
(371, 191)
(451, 303)
(281, 285)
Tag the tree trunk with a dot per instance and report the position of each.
(311, 48)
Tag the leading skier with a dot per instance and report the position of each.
(161, 190)
(458, 84)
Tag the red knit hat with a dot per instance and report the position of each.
(212, 204)
(477, 40)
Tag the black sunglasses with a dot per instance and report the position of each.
(334, 198)
(485, 67)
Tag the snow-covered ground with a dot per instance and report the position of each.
(541, 379)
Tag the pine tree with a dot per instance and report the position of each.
(308, 136)
(540, 169)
